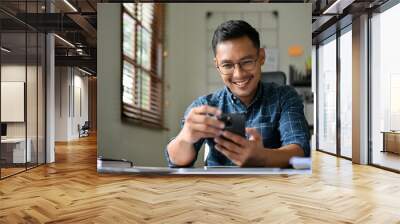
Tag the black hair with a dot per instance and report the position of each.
(233, 29)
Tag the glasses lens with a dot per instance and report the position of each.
(227, 68)
(247, 65)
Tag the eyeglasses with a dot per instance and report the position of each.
(229, 68)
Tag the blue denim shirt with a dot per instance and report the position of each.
(276, 112)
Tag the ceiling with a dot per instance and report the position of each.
(73, 20)
(330, 15)
(76, 22)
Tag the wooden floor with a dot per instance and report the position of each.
(70, 191)
(387, 159)
(5, 172)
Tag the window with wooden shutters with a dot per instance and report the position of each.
(142, 55)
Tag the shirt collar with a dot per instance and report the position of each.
(236, 99)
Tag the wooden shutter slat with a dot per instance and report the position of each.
(139, 110)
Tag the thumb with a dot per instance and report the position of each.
(254, 135)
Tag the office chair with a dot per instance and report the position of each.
(277, 77)
(84, 130)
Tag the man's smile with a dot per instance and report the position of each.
(242, 82)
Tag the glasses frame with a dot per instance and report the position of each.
(240, 66)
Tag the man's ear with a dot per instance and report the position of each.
(261, 55)
(215, 63)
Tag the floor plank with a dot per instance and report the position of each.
(71, 191)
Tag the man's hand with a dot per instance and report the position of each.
(241, 151)
(199, 124)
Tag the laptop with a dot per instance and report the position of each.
(302, 166)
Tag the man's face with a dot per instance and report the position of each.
(242, 79)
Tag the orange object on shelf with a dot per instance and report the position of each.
(295, 50)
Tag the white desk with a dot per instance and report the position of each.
(124, 168)
(18, 149)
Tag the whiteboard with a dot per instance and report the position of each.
(12, 101)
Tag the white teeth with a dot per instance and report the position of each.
(241, 83)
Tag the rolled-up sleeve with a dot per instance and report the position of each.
(197, 145)
(293, 125)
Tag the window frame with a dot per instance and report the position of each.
(333, 33)
(135, 112)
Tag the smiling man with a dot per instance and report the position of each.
(275, 123)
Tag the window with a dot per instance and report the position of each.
(327, 96)
(142, 47)
(22, 88)
(346, 93)
(385, 88)
(334, 106)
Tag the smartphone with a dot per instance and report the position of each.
(234, 122)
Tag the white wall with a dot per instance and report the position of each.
(61, 103)
(81, 83)
(68, 81)
(185, 72)
(13, 101)
(33, 126)
(16, 72)
(187, 43)
(187, 27)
